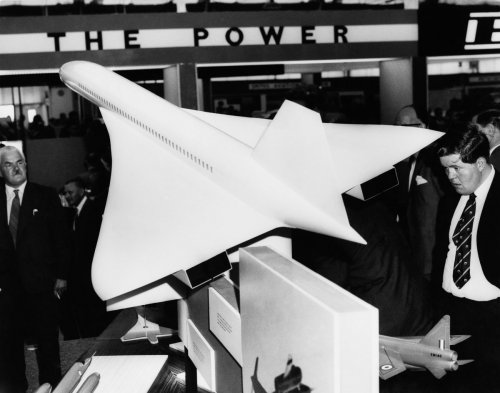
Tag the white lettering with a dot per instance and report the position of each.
(470, 36)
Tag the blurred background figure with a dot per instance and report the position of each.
(84, 312)
(7, 129)
(489, 124)
(437, 120)
(70, 126)
(38, 129)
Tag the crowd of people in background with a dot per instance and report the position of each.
(64, 126)
(361, 109)
(358, 110)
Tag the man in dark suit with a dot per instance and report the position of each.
(421, 186)
(378, 272)
(489, 123)
(36, 237)
(12, 369)
(467, 254)
(87, 309)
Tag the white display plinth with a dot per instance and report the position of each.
(299, 329)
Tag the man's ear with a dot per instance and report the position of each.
(495, 130)
(481, 163)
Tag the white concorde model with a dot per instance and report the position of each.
(187, 185)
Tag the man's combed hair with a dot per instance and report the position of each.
(468, 142)
(7, 148)
(77, 180)
(490, 116)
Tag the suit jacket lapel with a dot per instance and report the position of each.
(489, 216)
(487, 233)
(3, 205)
(27, 207)
(416, 171)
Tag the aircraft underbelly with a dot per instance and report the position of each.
(145, 234)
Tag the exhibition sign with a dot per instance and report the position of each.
(152, 39)
(467, 31)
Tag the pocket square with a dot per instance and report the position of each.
(419, 180)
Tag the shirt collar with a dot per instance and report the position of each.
(80, 205)
(10, 190)
(494, 148)
(483, 189)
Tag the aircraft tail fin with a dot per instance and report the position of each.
(256, 385)
(304, 161)
(439, 335)
(256, 366)
(467, 361)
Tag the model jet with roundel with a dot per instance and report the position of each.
(431, 352)
(188, 185)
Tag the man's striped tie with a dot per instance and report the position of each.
(14, 216)
(462, 239)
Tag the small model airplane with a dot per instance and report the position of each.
(188, 185)
(431, 352)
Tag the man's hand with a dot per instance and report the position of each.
(60, 287)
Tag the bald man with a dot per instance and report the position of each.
(421, 186)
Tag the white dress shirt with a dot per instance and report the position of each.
(478, 287)
(494, 148)
(9, 192)
(80, 205)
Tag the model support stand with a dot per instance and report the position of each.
(146, 330)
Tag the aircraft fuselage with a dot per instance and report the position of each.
(416, 354)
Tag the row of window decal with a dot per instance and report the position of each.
(153, 132)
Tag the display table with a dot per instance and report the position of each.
(109, 344)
